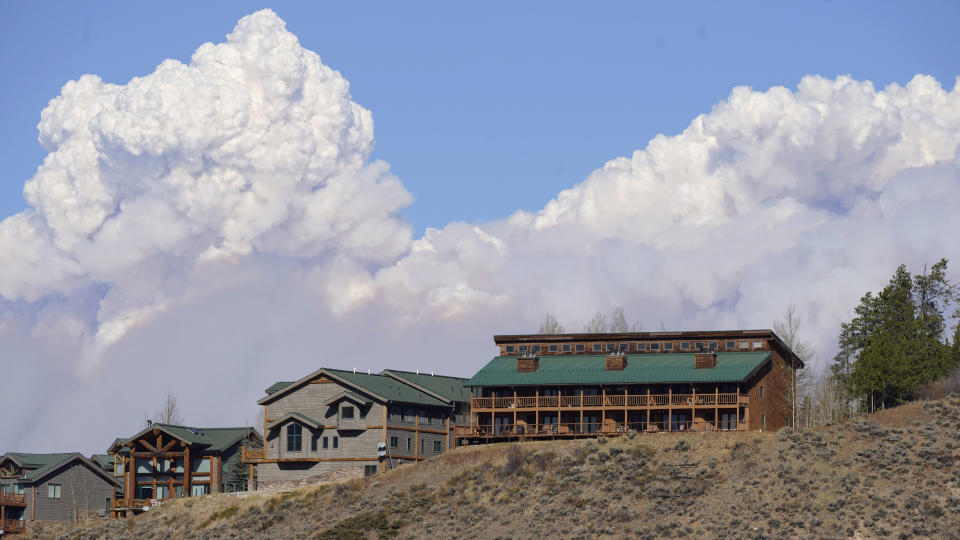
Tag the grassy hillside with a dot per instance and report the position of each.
(893, 474)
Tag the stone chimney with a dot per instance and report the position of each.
(527, 363)
(616, 360)
(705, 361)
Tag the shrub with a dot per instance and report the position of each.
(514, 461)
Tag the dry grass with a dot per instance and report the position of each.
(893, 475)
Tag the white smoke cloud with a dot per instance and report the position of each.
(212, 227)
(254, 146)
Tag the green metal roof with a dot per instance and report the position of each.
(103, 460)
(278, 386)
(37, 466)
(212, 439)
(641, 368)
(356, 398)
(387, 388)
(448, 387)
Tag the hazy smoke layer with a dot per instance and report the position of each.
(213, 227)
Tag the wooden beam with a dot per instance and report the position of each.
(187, 466)
(383, 466)
(152, 454)
(169, 445)
(415, 429)
(149, 446)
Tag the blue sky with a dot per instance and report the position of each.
(485, 108)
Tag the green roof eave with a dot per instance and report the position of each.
(650, 368)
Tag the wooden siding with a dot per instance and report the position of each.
(80, 490)
(775, 380)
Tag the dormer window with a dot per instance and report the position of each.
(744, 344)
(624, 347)
(580, 347)
(685, 346)
(553, 348)
(611, 347)
(713, 345)
(566, 348)
(731, 345)
(346, 412)
(668, 346)
(654, 346)
(597, 347)
(511, 348)
(641, 346)
(536, 348)
(757, 344)
(523, 349)
(294, 438)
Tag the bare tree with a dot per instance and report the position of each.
(550, 326)
(169, 413)
(788, 328)
(596, 325)
(618, 321)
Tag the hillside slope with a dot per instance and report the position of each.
(893, 474)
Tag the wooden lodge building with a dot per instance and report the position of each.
(334, 419)
(51, 488)
(573, 385)
(166, 461)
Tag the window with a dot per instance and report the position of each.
(624, 347)
(326, 443)
(685, 346)
(200, 465)
(597, 347)
(668, 346)
(523, 349)
(436, 446)
(369, 470)
(16, 489)
(698, 346)
(347, 412)
(336, 442)
(757, 344)
(199, 489)
(409, 444)
(163, 465)
(566, 348)
(178, 490)
(713, 345)
(761, 391)
(580, 347)
(654, 346)
(163, 492)
(763, 420)
(118, 467)
(744, 344)
(394, 442)
(423, 444)
(553, 348)
(536, 348)
(53, 491)
(731, 345)
(511, 348)
(144, 492)
(403, 414)
(611, 347)
(313, 443)
(294, 437)
(641, 346)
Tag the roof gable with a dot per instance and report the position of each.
(647, 368)
(380, 387)
(290, 416)
(358, 399)
(46, 464)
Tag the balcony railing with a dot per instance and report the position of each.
(611, 401)
(252, 455)
(574, 429)
(13, 525)
(13, 499)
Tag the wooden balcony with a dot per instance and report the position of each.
(575, 429)
(255, 455)
(13, 499)
(137, 503)
(609, 401)
(13, 525)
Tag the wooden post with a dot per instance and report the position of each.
(131, 485)
(514, 409)
(33, 505)
(383, 464)
(416, 436)
(580, 430)
(649, 406)
(626, 417)
(603, 407)
(669, 408)
(693, 404)
(187, 478)
(250, 480)
(536, 410)
(716, 407)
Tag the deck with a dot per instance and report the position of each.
(13, 525)
(609, 401)
(13, 499)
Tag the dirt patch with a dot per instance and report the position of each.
(902, 416)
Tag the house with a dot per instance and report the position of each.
(582, 385)
(334, 419)
(166, 461)
(51, 487)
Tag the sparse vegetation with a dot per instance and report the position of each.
(893, 474)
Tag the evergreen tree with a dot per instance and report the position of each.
(892, 345)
